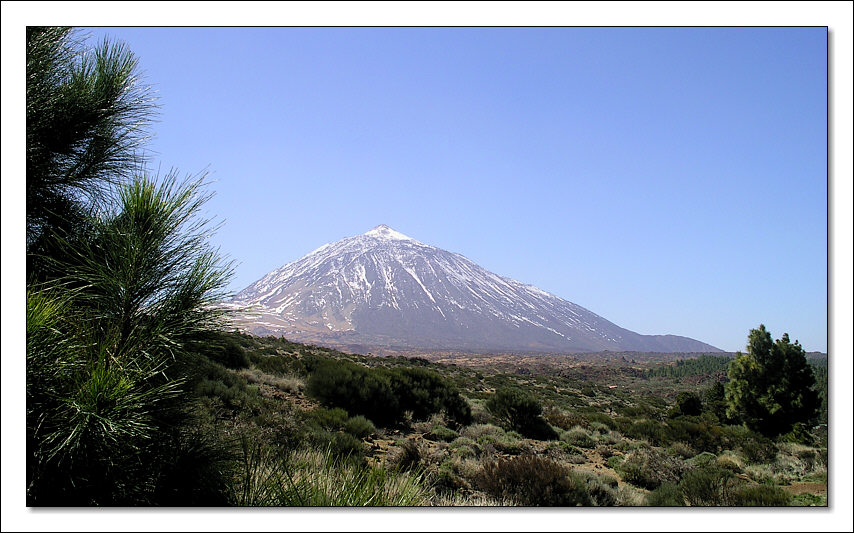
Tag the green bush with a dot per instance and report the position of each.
(336, 419)
(279, 365)
(338, 443)
(385, 395)
(329, 419)
(761, 496)
(809, 500)
(681, 450)
(457, 408)
(567, 448)
(520, 411)
(702, 460)
(666, 495)
(615, 461)
(710, 486)
(221, 348)
(448, 478)
(465, 442)
(577, 436)
(649, 468)
(758, 449)
(689, 403)
(602, 489)
(650, 430)
(342, 383)
(565, 420)
(359, 426)
(442, 433)
(533, 481)
(234, 393)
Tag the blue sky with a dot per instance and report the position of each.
(671, 180)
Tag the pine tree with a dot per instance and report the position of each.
(87, 117)
(771, 387)
(120, 279)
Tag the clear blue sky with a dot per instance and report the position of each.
(671, 180)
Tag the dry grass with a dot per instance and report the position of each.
(292, 384)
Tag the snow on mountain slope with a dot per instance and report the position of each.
(386, 289)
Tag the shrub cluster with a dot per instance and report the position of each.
(565, 420)
(534, 481)
(709, 486)
(385, 395)
(333, 428)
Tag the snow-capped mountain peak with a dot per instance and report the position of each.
(386, 233)
(383, 288)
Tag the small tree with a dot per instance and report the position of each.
(771, 386)
(689, 403)
(520, 411)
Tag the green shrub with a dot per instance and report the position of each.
(338, 443)
(514, 406)
(689, 403)
(799, 434)
(520, 411)
(666, 495)
(577, 436)
(703, 459)
(568, 448)
(758, 449)
(223, 350)
(418, 390)
(650, 430)
(809, 500)
(649, 468)
(442, 433)
(681, 450)
(615, 461)
(464, 452)
(602, 489)
(448, 478)
(336, 419)
(710, 486)
(600, 418)
(565, 420)
(465, 442)
(359, 426)
(385, 395)
(279, 365)
(329, 419)
(761, 496)
(533, 481)
(341, 383)
(730, 463)
(234, 393)
(457, 408)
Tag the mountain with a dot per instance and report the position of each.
(383, 288)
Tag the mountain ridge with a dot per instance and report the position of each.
(384, 288)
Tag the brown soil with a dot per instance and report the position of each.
(819, 489)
